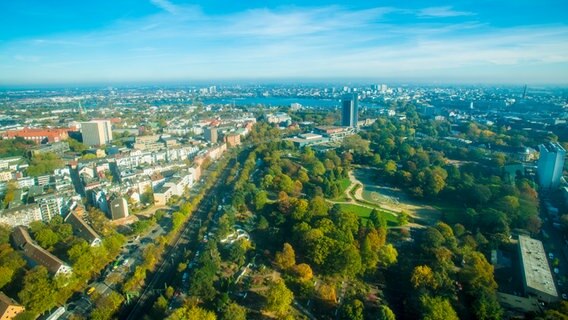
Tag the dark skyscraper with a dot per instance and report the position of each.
(350, 110)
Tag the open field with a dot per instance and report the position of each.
(390, 198)
(364, 212)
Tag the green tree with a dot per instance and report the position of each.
(387, 255)
(352, 310)
(38, 291)
(260, 199)
(233, 311)
(106, 306)
(4, 234)
(486, 306)
(192, 313)
(44, 164)
(318, 206)
(356, 144)
(385, 313)
(46, 238)
(10, 192)
(76, 146)
(278, 299)
(437, 308)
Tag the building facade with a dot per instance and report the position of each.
(350, 110)
(96, 132)
(118, 208)
(210, 134)
(550, 165)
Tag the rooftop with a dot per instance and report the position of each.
(535, 265)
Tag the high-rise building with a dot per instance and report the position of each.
(550, 165)
(349, 110)
(96, 132)
(210, 134)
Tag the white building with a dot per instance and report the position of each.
(20, 216)
(96, 132)
(550, 165)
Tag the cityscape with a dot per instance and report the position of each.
(170, 160)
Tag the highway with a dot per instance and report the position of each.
(168, 268)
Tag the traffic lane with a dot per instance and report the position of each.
(555, 244)
(163, 271)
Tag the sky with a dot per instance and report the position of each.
(145, 41)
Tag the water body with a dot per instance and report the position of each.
(275, 101)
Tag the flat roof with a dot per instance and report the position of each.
(535, 265)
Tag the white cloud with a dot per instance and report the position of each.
(291, 42)
(441, 12)
(166, 6)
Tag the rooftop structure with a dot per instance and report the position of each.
(537, 278)
(9, 308)
(39, 135)
(308, 139)
(81, 228)
(38, 254)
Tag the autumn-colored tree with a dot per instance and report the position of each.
(423, 276)
(286, 258)
(303, 271)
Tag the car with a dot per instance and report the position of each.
(556, 270)
(550, 255)
(90, 291)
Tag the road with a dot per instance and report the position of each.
(167, 268)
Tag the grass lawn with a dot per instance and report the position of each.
(364, 212)
(343, 184)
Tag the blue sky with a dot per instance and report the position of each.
(104, 41)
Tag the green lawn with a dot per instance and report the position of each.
(364, 212)
(343, 184)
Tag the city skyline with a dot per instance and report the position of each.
(173, 41)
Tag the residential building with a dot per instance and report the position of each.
(51, 205)
(537, 278)
(118, 208)
(550, 165)
(96, 132)
(148, 143)
(233, 139)
(20, 216)
(37, 254)
(5, 176)
(210, 134)
(9, 308)
(350, 110)
(81, 228)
